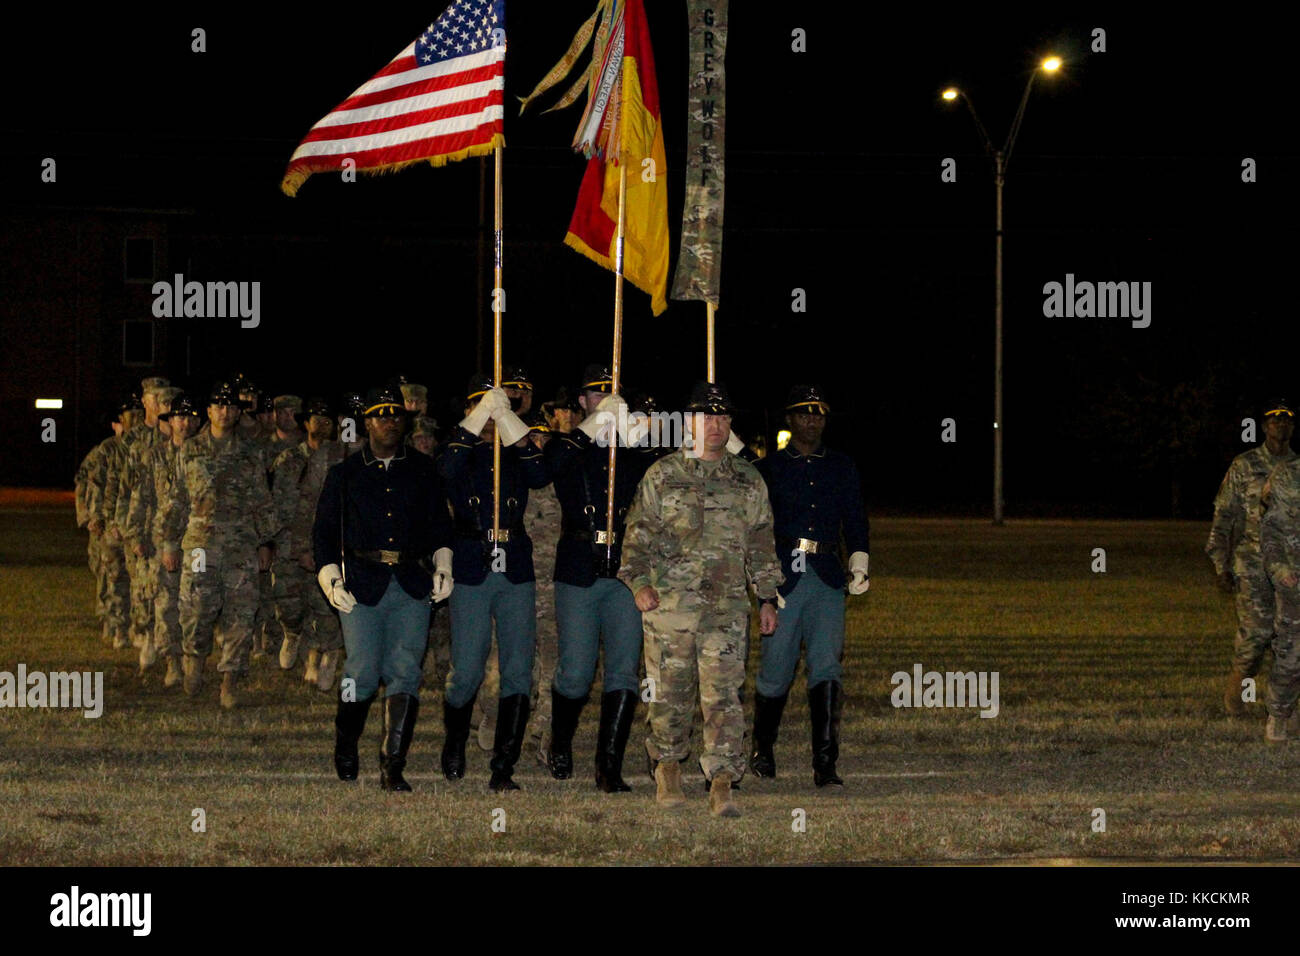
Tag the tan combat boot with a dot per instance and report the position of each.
(289, 652)
(173, 676)
(229, 698)
(311, 674)
(1232, 701)
(668, 777)
(720, 802)
(329, 662)
(193, 667)
(1275, 730)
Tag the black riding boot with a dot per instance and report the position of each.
(767, 719)
(616, 711)
(564, 721)
(349, 722)
(455, 722)
(512, 724)
(400, 711)
(824, 703)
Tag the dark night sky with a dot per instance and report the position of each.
(1127, 168)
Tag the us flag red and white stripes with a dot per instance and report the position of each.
(440, 99)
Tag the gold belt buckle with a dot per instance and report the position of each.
(502, 535)
(807, 545)
(606, 537)
(390, 557)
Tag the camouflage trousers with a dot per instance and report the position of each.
(1284, 680)
(142, 574)
(113, 586)
(166, 612)
(223, 595)
(267, 632)
(1255, 613)
(437, 661)
(697, 655)
(301, 608)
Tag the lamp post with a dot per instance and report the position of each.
(1001, 157)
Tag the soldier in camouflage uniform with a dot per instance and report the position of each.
(542, 519)
(115, 585)
(300, 606)
(123, 481)
(227, 540)
(1233, 547)
(416, 398)
(184, 421)
(89, 485)
(699, 531)
(1279, 535)
(284, 434)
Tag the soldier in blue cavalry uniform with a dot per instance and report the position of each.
(591, 603)
(816, 496)
(381, 525)
(494, 579)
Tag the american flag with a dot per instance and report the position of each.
(440, 99)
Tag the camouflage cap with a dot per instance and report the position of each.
(1279, 406)
(424, 425)
(711, 398)
(807, 400)
(287, 401)
(412, 391)
(153, 385)
(169, 394)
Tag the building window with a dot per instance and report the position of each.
(137, 342)
(139, 259)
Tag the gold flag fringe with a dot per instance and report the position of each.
(289, 185)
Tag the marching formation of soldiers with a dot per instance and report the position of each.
(263, 530)
(1254, 545)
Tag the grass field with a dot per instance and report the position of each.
(1109, 698)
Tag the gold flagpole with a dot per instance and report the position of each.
(614, 368)
(497, 309)
(710, 336)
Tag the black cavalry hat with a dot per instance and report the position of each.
(315, 406)
(710, 397)
(385, 400)
(183, 405)
(223, 393)
(807, 400)
(597, 378)
(130, 403)
(1279, 406)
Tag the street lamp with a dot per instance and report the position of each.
(1000, 159)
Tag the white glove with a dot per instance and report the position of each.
(330, 579)
(442, 582)
(858, 563)
(612, 409)
(510, 426)
(492, 400)
(734, 444)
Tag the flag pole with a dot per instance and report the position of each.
(497, 309)
(615, 370)
(710, 336)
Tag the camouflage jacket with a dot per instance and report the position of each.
(129, 475)
(699, 532)
(298, 474)
(221, 487)
(542, 519)
(101, 461)
(147, 456)
(165, 465)
(1279, 530)
(83, 487)
(1234, 533)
